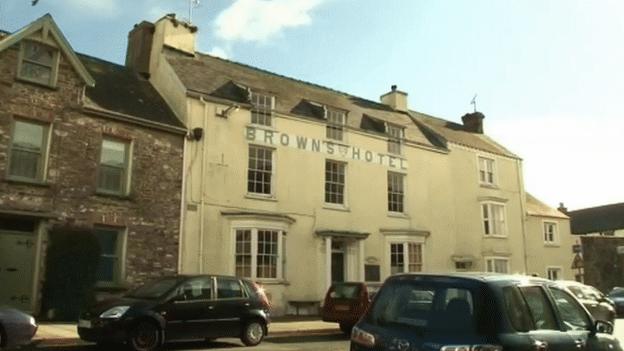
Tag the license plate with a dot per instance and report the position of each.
(84, 323)
(342, 308)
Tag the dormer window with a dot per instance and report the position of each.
(262, 109)
(38, 63)
(336, 120)
(395, 136)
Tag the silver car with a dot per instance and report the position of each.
(16, 327)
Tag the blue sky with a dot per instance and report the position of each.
(548, 73)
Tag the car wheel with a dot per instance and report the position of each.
(253, 333)
(144, 337)
(346, 328)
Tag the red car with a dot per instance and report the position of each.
(345, 303)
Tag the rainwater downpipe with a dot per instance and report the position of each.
(202, 202)
(523, 214)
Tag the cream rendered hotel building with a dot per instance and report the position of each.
(295, 185)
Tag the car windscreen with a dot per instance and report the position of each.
(154, 289)
(345, 291)
(427, 307)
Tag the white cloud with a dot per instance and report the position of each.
(100, 8)
(218, 52)
(259, 20)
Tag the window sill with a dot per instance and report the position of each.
(398, 215)
(336, 142)
(546, 244)
(261, 197)
(491, 236)
(34, 82)
(262, 126)
(34, 182)
(489, 186)
(335, 207)
(113, 196)
(273, 282)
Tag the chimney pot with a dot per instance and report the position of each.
(393, 87)
(473, 122)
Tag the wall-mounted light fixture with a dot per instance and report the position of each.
(226, 112)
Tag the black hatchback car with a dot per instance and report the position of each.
(478, 312)
(180, 308)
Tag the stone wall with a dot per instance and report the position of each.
(151, 211)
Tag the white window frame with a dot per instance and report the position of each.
(405, 241)
(254, 227)
(54, 67)
(268, 114)
(404, 189)
(503, 226)
(127, 181)
(558, 269)
(492, 259)
(271, 194)
(120, 269)
(395, 140)
(342, 204)
(482, 162)
(555, 233)
(44, 152)
(335, 125)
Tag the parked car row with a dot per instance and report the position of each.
(452, 312)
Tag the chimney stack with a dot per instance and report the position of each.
(146, 41)
(473, 122)
(562, 208)
(395, 99)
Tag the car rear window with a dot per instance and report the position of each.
(345, 291)
(426, 306)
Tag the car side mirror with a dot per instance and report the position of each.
(602, 327)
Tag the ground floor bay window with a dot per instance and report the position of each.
(259, 253)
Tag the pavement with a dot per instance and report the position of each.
(64, 334)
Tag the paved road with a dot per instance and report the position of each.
(334, 342)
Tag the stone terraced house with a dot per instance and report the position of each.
(88, 151)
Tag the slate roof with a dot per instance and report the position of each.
(458, 134)
(119, 89)
(227, 79)
(597, 219)
(535, 207)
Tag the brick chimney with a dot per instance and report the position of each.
(146, 41)
(473, 122)
(395, 99)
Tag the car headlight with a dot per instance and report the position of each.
(115, 312)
